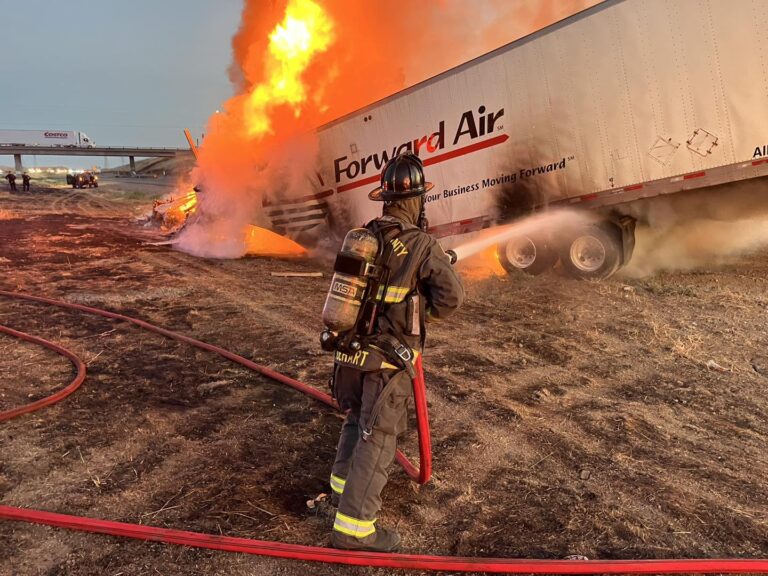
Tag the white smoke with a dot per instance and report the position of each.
(229, 202)
(699, 228)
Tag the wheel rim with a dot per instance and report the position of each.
(521, 252)
(588, 253)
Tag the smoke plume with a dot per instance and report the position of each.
(301, 63)
(699, 228)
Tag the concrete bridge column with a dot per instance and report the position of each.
(132, 161)
(17, 162)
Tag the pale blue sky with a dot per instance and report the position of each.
(129, 72)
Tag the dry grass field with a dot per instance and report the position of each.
(567, 417)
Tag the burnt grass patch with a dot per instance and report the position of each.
(605, 440)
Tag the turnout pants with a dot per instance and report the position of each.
(360, 470)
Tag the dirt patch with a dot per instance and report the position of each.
(567, 417)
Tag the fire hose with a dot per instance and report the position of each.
(53, 398)
(314, 553)
(420, 475)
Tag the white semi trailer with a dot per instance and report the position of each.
(65, 138)
(627, 100)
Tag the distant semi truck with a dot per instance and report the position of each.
(64, 138)
(627, 100)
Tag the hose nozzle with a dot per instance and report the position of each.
(453, 256)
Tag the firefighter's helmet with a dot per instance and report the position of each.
(402, 177)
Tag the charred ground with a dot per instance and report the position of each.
(567, 417)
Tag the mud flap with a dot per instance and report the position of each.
(627, 228)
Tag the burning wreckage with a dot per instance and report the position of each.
(498, 149)
(171, 214)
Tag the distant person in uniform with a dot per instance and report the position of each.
(25, 178)
(11, 177)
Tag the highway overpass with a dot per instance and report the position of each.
(132, 153)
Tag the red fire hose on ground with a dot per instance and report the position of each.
(313, 553)
(53, 398)
(420, 475)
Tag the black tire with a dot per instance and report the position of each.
(592, 252)
(533, 255)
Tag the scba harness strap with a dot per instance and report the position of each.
(387, 353)
(403, 357)
(368, 359)
(396, 352)
(383, 351)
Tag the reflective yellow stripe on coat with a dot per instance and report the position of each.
(394, 294)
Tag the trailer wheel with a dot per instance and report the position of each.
(530, 254)
(592, 252)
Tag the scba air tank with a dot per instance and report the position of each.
(347, 291)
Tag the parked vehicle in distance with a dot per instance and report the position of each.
(84, 179)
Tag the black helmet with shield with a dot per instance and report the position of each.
(401, 178)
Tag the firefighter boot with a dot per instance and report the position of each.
(383, 540)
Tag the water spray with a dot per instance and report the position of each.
(536, 224)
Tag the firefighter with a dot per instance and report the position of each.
(25, 182)
(11, 177)
(421, 286)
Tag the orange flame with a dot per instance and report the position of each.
(267, 243)
(190, 204)
(305, 31)
(173, 212)
(301, 63)
(483, 265)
